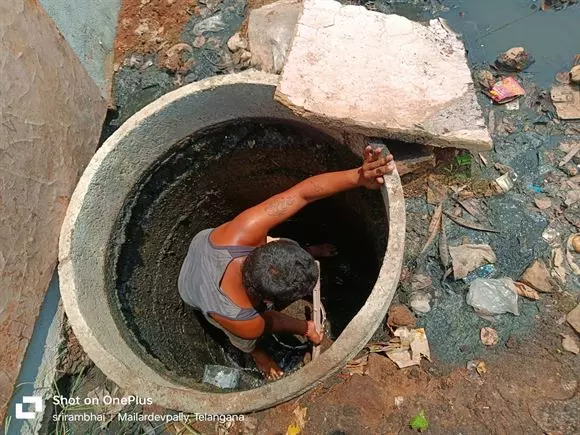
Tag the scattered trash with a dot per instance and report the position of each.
(573, 318)
(543, 203)
(464, 159)
(466, 258)
(505, 90)
(514, 60)
(513, 105)
(471, 225)
(537, 276)
(215, 23)
(526, 291)
(419, 422)
(485, 271)
(399, 401)
(221, 376)
(570, 344)
(566, 99)
(573, 151)
(535, 188)
(299, 421)
(477, 366)
(407, 347)
(399, 315)
(489, 336)
(506, 181)
(493, 296)
(481, 368)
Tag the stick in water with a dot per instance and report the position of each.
(316, 313)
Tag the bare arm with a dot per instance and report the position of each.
(251, 226)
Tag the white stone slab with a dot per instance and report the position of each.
(382, 75)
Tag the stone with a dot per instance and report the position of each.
(346, 70)
(51, 114)
(573, 318)
(237, 42)
(537, 276)
(570, 344)
(514, 59)
(270, 33)
(543, 203)
(575, 74)
(399, 315)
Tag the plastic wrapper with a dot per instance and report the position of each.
(493, 296)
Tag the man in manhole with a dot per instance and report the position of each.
(234, 276)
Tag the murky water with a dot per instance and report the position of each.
(207, 180)
(492, 26)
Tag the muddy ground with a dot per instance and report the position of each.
(528, 382)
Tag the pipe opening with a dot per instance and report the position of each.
(205, 180)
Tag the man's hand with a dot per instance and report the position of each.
(374, 167)
(312, 335)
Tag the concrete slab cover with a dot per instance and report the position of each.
(382, 75)
(100, 195)
(51, 114)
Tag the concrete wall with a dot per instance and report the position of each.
(51, 114)
(89, 27)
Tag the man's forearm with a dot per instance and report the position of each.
(329, 183)
(277, 322)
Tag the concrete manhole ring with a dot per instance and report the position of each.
(100, 196)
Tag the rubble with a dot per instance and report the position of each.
(489, 336)
(399, 315)
(537, 276)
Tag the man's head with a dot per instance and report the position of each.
(279, 271)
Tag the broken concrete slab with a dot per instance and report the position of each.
(537, 276)
(382, 75)
(566, 99)
(270, 32)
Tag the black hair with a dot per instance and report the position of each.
(280, 271)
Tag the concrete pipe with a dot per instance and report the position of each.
(188, 161)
